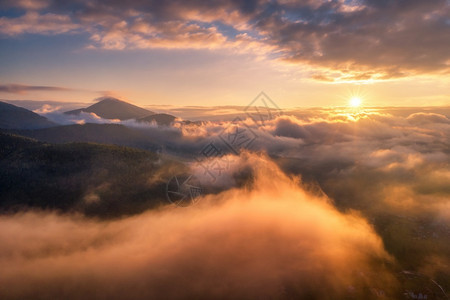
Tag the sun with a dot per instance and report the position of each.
(355, 101)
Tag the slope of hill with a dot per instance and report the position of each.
(14, 117)
(115, 134)
(160, 119)
(97, 180)
(112, 108)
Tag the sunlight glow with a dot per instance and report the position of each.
(355, 101)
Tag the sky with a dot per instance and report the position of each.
(311, 200)
(306, 53)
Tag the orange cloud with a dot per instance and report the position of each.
(33, 22)
(267, 239)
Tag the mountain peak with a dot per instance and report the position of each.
(113, 108)
(109, 100)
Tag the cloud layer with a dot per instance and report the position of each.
(339, 40)
(259, 229)
(270, 239)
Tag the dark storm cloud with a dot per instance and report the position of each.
(342, 40)
(373, 39)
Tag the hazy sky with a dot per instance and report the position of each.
(203, 52)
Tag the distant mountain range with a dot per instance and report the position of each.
(14, 117)
(84, 168)
(19, 121)
(89, 168)
(18, 118)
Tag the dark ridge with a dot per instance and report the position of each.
(97, 180)
(14, 117)
(160, 119)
